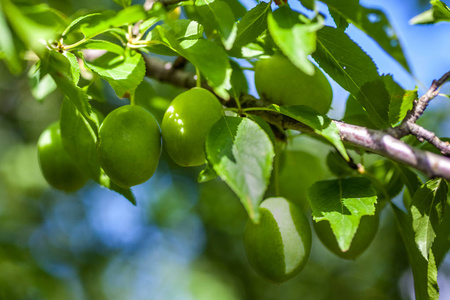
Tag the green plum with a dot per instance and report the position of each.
(129, 145)
(364, 236)
(186, 124)
(58, 168)
(278, 247)
(277, 80)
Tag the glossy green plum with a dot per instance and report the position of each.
(364, 236)
(58, 168)
(129, 145)
(277, 80)
(186, 124)
(278, 247)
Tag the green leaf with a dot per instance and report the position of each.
(41, 86)
(424, 272)
(36, 25)
(123, 3)
(59, 67)
(322, 125)
(309, 4)
(427, 210)
(80, 141)
(295, 35)
(439, 12)
(355, 71)
(207, 56)
(242, 154)
(73, 25)
(401, 100)
(374, 97)
(356, 114)
(342, 202)
(123, 72)
(217, 14)
(207, 174)
(338, 166)
(252, 24)
(102, 45)
(239, 84)
(109, 19)
(371, 21)
(8, 46)
(441, 244)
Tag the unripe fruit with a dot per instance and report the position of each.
(279, 81)
(57, 167)
(279, 246)
(186, 124)
(129, 145)
(364, 236)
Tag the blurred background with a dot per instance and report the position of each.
(184, 240)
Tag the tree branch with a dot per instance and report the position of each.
(386, 144)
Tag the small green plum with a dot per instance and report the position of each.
(129, 145)
(58, 168)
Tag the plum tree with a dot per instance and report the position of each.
(186, 124)
(129, 145)
(279, 81)
(278, 246)
(58, 168)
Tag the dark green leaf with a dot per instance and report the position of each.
(309, 4)
(242, 155)
(238, 80)
(338, 165)
(217, 14)
(441, 244)
(252, 24)
(439, 12)
(295, 35)
(342, 202)
(424, 272)
(374, 97)
(322, 125)
(123, 72)
(427, 210)
(80, 141)
(371, 21)
(356, 114)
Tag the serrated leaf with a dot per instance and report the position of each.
(252, 24)
(353, 70)
(217, 14)
(374, 97)
(322, 125)
(371, 21)
(441, 244)
(400, 100)
(242, 154)
(338, 166)
(123, 72)
(80, 141)
(342, 202)
(109, 19)
(439, 12)
(238, 80)
(356, 114)
(207, 56)
(427, 210)
(295, 35)
(424, 272)
(59, 67)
